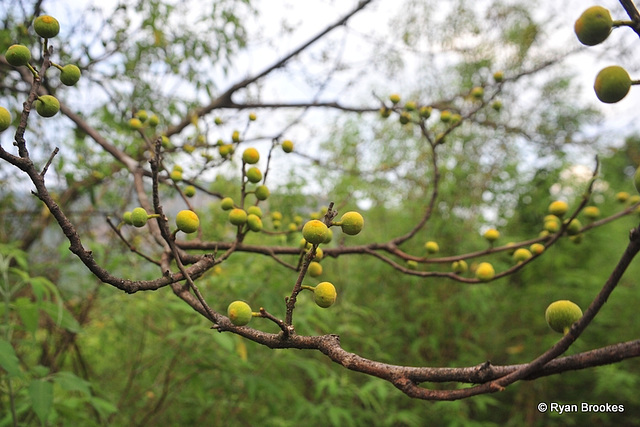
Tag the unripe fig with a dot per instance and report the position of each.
(188, 148)
(410, 106)
(139, 217)
(237, 216)
(445, 116)
(319, 255)
(5, 119)
(254, 222)
(491, 235)
(536, 248)
(395, 98)
(189, 191)
(262, 192)
(612, 84)
(498, 76)
(254, 210)
(552, 226)
(47, 105)
(239, 312)
(459, 267)
(560, 315)
(412, 264)
(126, 217)
(574, 227)
(351, 223)
(154, 120)
(636, 179)
(276, 216)
(485, 271)
(521, 255)
(70, 74)
(18, 55)
(46, 26)
(593, 26)
(293, 226)
(425, 112)
(591, 212)
(314, 269)
(250, 156)
(287, 146)
(226, 204)
(253, 117)
(477, 92)
(622, 196)
(432, 247)
(405, 118)
(187, 221)
(384, 112)
(329, 236)
(225, 149)
(254, 175)
(496, 105)
(142, 115)
(135, 123)
(218, 121)
(315, 231)
(176, 175)
(324, 294)
(558, 208)
(235, 136)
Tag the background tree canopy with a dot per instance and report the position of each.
(524, 130)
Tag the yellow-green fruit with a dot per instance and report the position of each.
(315, 269)
(18, 55)
(5, 119)
(154, 120)
(252, 117)
(226, 204)
(225, 149)
(558, 208)
(126, 217)
(187, 221)
(612, 84)
(189, 148)
(485, 271)
(46, 26)
(276, 216)
(218, 121)
(351, 223)
(574, 227)
(552, 226)
(412, 264)
(593, 26)
(189, 191)
(384, 112)
(405, 118)
(176, 175)
(47, 105)
(262, 192)
(135, 123)
(521, 255)
(459, 267)
(287, 146)
(636, 179)
(477, 92)
(250, 156)
(491, 235)
(329, 237)
(139, 217)
(237, 216)
(235, 136)
(324, 294)
(239, 312)
(445, 116)
(70, 74)
(142, 115)
(536, 248)
(425, 112)
(592, 212)
(560, 315)
(315, 231)
(622, 196)
(254, 175)
(319, 255)
(498, 76)
(254, 210)
(432, 247)
(254, 222)
(395, 98)
(410, 106)
(496, 105)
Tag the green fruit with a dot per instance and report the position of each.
(491, 235)
(623, 196)
(262, 192)
(636, 179)
(189, 191)
(314, 269)
(276, 216)
(254, 175)
(139, 217)
(255, 210)
(485, 271)
(18, 55)
(405, 118)
(498, 76)
(176, 175)
(227, 204)
(218, 121)
(558, 208)
(237, 216)
(521, 255)
(250, 156)
(319, 255)
(560, 315)
(235, 136)
(351, 223)
(425, 112)
(395, 98)
(591, 212)
(410, 106)
(254, 222)
(536, 248)
(412, 264)
(593, 26)
(142, 115)
(70, 74)
(477, 92)
(187, 221)
(496, 105)
(253, 117)
(445, 116)
(126, 217)
(324, 294)
(225, 149)
(154, 120)
(135, 123)
(459, 266)
(47, 105)
(574, 227)
(239, 312)
(612, 84)
(384, 112)
(287, 146)
(329, 236)
(5, 119)
(46, 26)
(432, 247)
(315, 231)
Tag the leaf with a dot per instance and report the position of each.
(71, 382)
(29, 314)
(104, 407)
(41, 393)
(8, 359)
(61, 316)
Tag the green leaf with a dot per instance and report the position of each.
(29, 314)
(70, 382)
(41, 393)
(103, 407)
(8, 359)
(61, 316)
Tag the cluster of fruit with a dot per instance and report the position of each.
(593, 27)
(19, 55)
